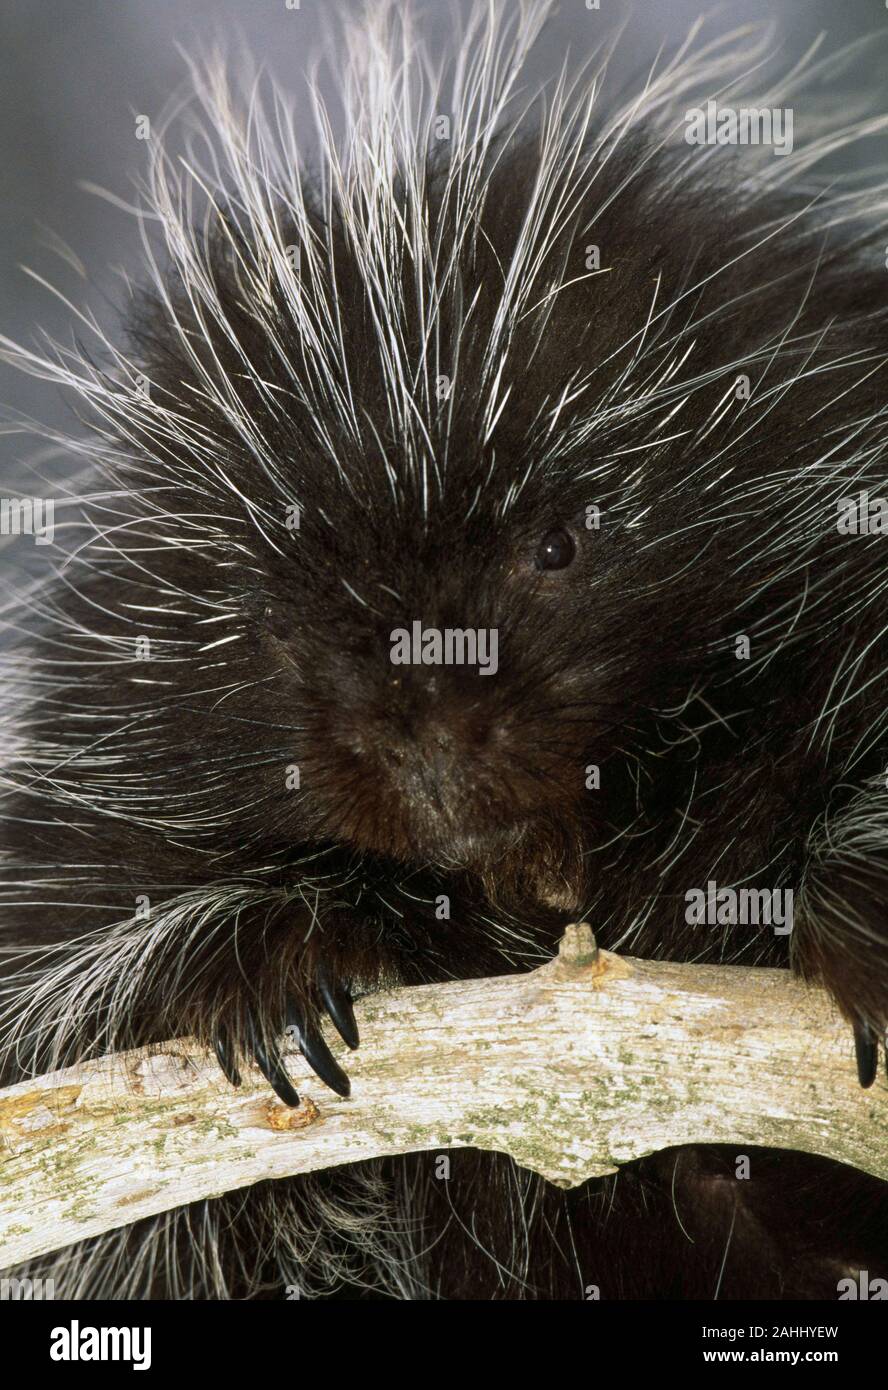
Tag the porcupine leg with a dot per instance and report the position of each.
(841, 938)
(285, 974)
(292, 971)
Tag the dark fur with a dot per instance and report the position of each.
(446, 782)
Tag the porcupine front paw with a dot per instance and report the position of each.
(261, 1042)
(841, 941)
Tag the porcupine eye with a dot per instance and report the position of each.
(557, 550)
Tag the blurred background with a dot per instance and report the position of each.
(74, 76)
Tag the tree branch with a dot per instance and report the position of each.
(573, 1069)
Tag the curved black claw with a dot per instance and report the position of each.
(268, 1060)
(225, 1057)
(316, 1052)
(338, 1003)
(867, 1051)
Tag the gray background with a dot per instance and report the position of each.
(72, 75)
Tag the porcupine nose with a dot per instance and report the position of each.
(433, 758)
(426, 750)
(436, 756)
(440, 733)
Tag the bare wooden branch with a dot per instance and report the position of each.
(573, 1069)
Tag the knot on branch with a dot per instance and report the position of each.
(578, 946)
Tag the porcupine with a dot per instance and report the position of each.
(411, 346)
